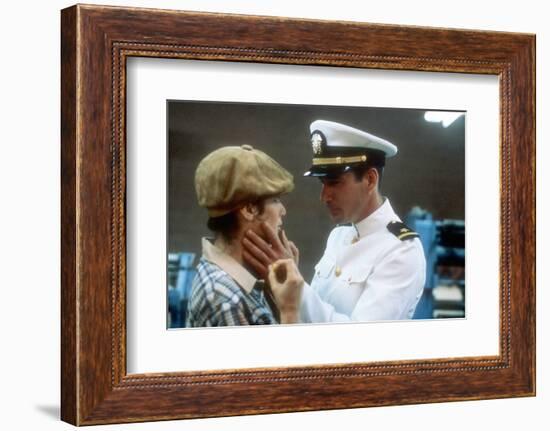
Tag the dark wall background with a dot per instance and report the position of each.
(428, 170)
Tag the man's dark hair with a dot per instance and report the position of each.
(227, 225)
(360, 171)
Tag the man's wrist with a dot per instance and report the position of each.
(290, 316)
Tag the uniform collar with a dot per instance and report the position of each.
(238, 272)
(377, 220)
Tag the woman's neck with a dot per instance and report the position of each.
(232, 248)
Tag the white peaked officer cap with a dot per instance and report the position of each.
(337, 148)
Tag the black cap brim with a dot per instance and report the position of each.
(321, 171)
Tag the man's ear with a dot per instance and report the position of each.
(248, 212)
(371, 176)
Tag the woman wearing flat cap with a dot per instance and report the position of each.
(241, 187)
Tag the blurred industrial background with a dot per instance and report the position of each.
(424, 182)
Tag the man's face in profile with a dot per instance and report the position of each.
(345, 197)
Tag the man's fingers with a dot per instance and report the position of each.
(271, 236)
(260, 268)
(284, 239)
(271, 277)
(266, 257)
(281, 272)
(295, 252)
(257, 245)
(280, 269)
(286, 285)
(293, 247)
(272, 274)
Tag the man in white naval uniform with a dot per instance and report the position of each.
(366, 273)
(374, 267)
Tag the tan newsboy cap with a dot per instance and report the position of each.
(230, 177)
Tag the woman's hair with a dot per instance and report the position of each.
(227, 225)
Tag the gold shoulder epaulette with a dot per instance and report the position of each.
(401, 231)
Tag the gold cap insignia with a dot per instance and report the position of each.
(316, 140)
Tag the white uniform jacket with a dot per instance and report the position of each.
(366, 273)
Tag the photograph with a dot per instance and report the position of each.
(289, 213)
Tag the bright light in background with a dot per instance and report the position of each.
(445, 118)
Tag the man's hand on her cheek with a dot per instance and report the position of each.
(260, 252)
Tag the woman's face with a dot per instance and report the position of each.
(273, 213)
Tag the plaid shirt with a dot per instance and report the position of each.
(217, 299)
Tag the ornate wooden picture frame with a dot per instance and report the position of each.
(96, 41)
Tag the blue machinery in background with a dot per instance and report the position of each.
(181, 271)
(443, 243)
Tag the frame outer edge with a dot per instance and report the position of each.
(524, 216)
(533, 54)
(530, 63)
(69, 304)
(87, 399)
